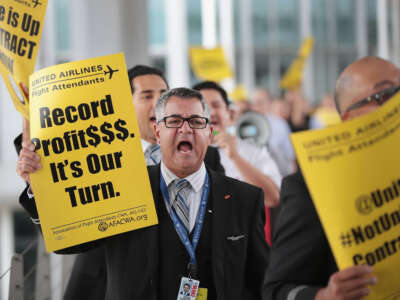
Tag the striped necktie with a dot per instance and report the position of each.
(181, 204)
(153, 155)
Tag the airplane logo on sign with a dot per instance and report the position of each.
(110, 71)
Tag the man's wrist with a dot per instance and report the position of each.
(233, 153)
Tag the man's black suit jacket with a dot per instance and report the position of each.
(301, 260)
(89, 275)
(239, 250)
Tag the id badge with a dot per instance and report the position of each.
(188, 289)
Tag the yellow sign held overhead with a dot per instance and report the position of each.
(93, 182)
(210, 64)
(21, 24)
(294, 75)
(352, 172)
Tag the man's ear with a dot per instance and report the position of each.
(231, 114)
(210, 135)
(156, 129)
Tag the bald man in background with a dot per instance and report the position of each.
(301, 264)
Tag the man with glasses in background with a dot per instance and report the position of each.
(301, 264)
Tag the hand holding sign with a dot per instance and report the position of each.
(358, 197)
(350, 283)
(28, 161)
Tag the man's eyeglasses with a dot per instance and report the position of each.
(378, 98)
(177, 122)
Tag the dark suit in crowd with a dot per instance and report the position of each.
(232, 253)
(301, 260)
(89, 275)
(88, 278)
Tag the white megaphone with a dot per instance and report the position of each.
(252, 127)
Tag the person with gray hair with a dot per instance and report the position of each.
(210, 227)
(183, 93)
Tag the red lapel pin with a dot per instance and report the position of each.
(227, 197)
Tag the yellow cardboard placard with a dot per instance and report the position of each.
(327, 116)
(21, 24)
(352, 172)
(210, 64)
(93, 182)
(292, 79)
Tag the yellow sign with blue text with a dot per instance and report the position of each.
(210, 64)
(93, 182)
(21, 24)
(353, 173)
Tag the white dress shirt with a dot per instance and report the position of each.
(256, 156)
(279, 144)
(196, 181)
(145, 145)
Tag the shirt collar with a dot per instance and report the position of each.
(195, 179)
(145, 145)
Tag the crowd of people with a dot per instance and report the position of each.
(214, 194)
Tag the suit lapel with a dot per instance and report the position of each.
(221, 211)
(153, 246)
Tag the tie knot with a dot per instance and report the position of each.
(182, 183)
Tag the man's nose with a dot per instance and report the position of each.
(154, 101)
(186, 127)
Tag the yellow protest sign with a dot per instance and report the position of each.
(210, 64)
(352, 172)
(93, 182)
(294, 75)
(21, 24)
(327, 116)
(239, 93)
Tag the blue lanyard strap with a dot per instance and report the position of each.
(180, 229)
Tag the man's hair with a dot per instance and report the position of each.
(183, 93)
(141, 70)
(211, 85)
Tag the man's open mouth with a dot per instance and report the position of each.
(185, 146)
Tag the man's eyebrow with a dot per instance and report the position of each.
(384, 83)
(178, 115)
(147, 91)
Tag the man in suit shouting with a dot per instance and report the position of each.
(210, 226)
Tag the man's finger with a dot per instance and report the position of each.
(23, 169)
(353, 272)
(32, 160)
(357, 283)
(28, 156)
(28, 145)
(358, 294)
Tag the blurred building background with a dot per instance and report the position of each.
(260, 38)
